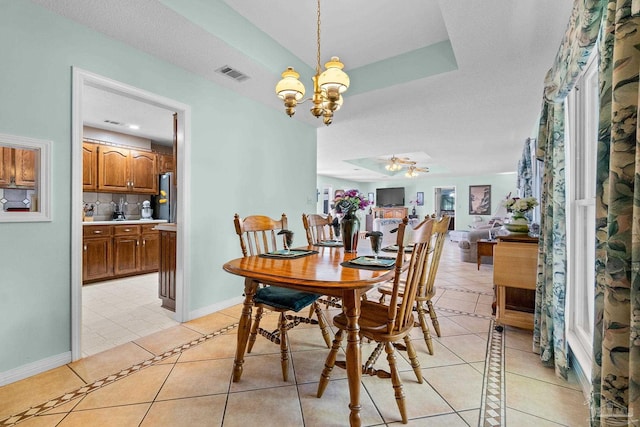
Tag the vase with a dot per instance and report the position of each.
(350, 226)
(517, 224)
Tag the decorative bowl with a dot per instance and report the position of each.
(519, 225)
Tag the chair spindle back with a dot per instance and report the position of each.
(317, 227)
(258, 233)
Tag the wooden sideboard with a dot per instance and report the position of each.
(515, 262)
(167, 271)
(397, 212)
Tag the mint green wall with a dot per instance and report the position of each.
(501, 185)
(238, 148)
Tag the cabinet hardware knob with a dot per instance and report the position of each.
(85, 248)
(97, 231)
(144, 242)
(127, 230)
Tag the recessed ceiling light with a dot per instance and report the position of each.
(135, 127)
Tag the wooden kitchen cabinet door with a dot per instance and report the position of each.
(127, 255)
(97, 261)
(25, 163)
(89, 166)
(144, 172)
(165, 163)
(5, 166)
(113, 169)
(150, 252)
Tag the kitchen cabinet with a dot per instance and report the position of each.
(149, 248)
(121, 170)
(167, 270)
(165, 163)
(126, 248)
(97, 253)
(112, 251)
(89, 166)
(17, 168)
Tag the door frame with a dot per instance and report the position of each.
(82, 78)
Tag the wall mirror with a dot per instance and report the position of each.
(25, 179)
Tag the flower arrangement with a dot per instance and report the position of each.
(351, 201)
(520, 206)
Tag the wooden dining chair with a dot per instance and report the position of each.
(426, 288)
(388, 323)
(258, 235)
(318, 228)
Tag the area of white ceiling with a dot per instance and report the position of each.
(470, 119)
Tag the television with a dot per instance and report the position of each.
(389, 197)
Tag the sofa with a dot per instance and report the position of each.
(468, 242)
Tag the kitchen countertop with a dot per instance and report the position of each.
(126, 222)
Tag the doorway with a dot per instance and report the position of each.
(444, 201)
(82, 80)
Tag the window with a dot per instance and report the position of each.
(582, 137)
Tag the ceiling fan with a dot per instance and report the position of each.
(395, 163)
(413, 170)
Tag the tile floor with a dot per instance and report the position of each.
(182, 376)
(116, 312)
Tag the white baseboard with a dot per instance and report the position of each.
(215, 307)
(582, 378)
(31, 369)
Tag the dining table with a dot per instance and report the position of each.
(325, 271)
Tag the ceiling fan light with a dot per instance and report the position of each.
(333, 80)
(290, 86)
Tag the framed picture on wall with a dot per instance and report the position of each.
(371, 198)
(420, 198)
(479, 200)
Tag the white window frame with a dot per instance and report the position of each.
(581, 151)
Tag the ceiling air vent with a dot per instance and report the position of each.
(234, 74)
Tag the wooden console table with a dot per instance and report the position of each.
(515, 263)
(484, 248)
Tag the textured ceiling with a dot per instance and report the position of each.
(455, 84)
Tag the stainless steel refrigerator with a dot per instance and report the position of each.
(165, 201)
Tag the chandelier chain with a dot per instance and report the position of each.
(318, 36)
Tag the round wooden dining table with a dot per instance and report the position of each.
(321, 273)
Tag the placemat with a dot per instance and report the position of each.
(369, 263)
(329, 243)
(284, 254)
(394, 248)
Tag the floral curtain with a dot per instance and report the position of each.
(549, 338)
(525, 172)
(616, 361)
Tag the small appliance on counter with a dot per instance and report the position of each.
(147, 212)
(118, 211)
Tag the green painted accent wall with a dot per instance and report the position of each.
(501, 185)
(238, 152)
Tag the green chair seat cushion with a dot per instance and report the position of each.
(283, 298)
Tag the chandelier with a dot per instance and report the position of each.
(328, 87)
(412, 170)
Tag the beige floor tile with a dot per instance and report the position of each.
(459, 385)
(561, 404)
(168, 339)
(191, 379)
(308, 339)
(220, 347)
(37, 389)
(43, 421)
(472, 416)
(447, 327)
(308, 366)
(261, 372)
(446, 420)
(517, 418)
(469, 348)
(279, 407)
(234, 311)
(473, 324)
(421, 400)
(128, 415)
(211, 323)
(521, 339)
(332, 409)
(113, 360)
(202, 411)
(456, 304)
(441, 356)
(484, 309)
(140, 387)
(462, 296)
(528, 364)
